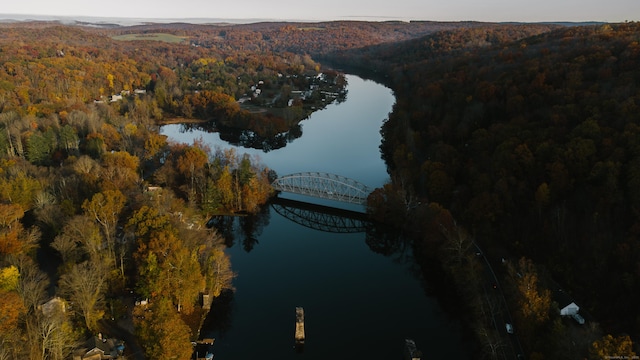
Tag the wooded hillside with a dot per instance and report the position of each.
(533, 146)
(527, 134)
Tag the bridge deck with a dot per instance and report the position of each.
(325, 186)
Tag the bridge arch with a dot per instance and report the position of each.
(324, 186)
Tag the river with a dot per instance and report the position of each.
(357, 302)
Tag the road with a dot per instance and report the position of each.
(501, 316)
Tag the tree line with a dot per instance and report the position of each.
(529, 142)
(115, 208)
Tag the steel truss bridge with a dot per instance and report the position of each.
(324, 186)
(323, 218)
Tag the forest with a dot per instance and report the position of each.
(522, 138)
(530, 145)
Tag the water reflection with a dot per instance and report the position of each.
(320, 217)
(220, 316)
(246, 138)
(246, 229)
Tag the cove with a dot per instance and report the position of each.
(358, 303)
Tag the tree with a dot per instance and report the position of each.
(608, 347)
(146, 220)
(225, 186)
(185, 279)
(16, 187)
(38, 148)
(85, 283)
(32, 283)
(9, 278)
(153, 144)
(535, 303)
(80, 235)
(119, 171)
(191, 165)
(458, 243)
(11, 310)
(219, 275)
(50, 336)
(163, 335)
(105, 208)
(68, 139)
(14, 239)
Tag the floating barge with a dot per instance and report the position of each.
(299, 336)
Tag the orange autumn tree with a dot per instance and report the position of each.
(11, 305)
(14, 239)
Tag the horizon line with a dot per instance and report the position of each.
(209, 20)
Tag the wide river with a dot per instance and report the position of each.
(357, 303)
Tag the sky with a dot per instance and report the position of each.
(300, 10)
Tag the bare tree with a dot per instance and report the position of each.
(105, 208)
(32, 283)
(85, 165)
(50, 336)
(219, 275)
(85, 283)
(5, 353)
(80, 233)
(490, 341)
(458, 242)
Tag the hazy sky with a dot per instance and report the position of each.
(438, 10)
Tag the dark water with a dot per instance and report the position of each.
(358, 303)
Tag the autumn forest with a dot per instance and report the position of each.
(522, 138)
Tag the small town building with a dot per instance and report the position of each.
(568, 307)
(99, 348)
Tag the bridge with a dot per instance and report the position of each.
(322, 218)
(324, 186)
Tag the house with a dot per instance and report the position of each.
(569, 309)
(54, 306)
(99, 348)
(565, 302)
(567, 306)
(115, 98)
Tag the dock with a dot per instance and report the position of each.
(202, 349)
(205, 341)
(299, 325)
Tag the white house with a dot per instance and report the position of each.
(570, 309)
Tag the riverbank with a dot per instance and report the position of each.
(180, 120)
(339, 278)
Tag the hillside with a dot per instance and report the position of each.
(533, 146)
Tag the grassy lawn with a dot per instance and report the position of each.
(154, 37)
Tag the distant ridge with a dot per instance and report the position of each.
(117, 21)
(561, 23)
(114, 22)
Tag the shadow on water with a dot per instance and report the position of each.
(219, 318)
(246, 228)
